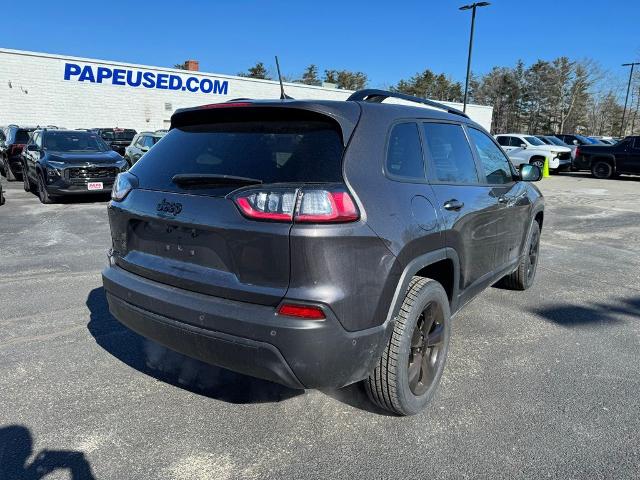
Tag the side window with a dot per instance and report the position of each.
(449, 152)
(2, 136)
(516, 142)
(496, 166)
(404, 153)
(37, 139)
(148, 141)
(138, 142)
(636, 143)
(504, 141)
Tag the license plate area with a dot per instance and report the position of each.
(192, 245)
(95, 186)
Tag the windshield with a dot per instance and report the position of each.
(272, 151)
(584, 139)
(534, 140)
(545, 140)
(74, 142)
(556, 141)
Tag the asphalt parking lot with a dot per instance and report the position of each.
(543, 383)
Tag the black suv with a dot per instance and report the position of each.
(319, 243)
(607, 161)
(12, 140)
(117, 138)
(66, 162)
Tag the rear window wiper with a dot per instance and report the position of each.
(207, 179)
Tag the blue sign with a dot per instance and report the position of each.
(137, 78)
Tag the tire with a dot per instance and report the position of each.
(522, 278)
(538, 163)
(26, 183)
(398, 382)
(602, 169)
(8, 173)
(43, 194)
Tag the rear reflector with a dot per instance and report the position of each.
(305, 205)
(301, 311)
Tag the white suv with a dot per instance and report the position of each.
(529, 149)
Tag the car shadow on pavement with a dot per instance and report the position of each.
(174, 368)
(16, 447)
(590, 314)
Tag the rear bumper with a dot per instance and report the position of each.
(247, 338)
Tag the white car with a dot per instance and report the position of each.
(529, 149)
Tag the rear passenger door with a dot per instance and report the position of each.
(467, 205)
(512, 215)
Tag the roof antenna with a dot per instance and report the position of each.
(283, 96)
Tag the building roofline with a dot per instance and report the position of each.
(56, 56)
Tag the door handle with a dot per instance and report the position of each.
(453, 204)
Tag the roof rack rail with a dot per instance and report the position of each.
(378, 96)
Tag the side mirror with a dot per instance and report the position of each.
(530, 173)
(576, 142)
(32, 147)
(523, 145)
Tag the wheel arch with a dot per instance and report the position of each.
(606, 158)
(536, 156)
(442, 265)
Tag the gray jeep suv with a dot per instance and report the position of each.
(319, 243)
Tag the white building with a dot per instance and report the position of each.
(71, 92)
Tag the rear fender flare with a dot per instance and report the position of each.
(414, 267)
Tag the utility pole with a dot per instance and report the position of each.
(624, 111)
(471, 7)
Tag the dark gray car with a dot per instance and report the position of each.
(319, 243)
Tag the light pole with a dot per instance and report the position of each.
(471, 7)
(624, 111)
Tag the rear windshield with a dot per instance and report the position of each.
(272, 151)
(74, 142)
(22, 136)
(118, 135)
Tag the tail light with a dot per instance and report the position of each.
(15, 149)
(304, 205)
(576, 153)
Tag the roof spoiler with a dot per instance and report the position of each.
(378, 96)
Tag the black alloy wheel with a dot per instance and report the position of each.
(602, 169)
(43, 194)
(425, 355)
(532, 257)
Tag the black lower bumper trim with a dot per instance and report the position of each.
(257, 359)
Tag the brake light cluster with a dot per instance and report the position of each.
(15, 149)
(304, 205)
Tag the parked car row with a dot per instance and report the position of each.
(54, 162)
(529, 149)
(604, 157)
